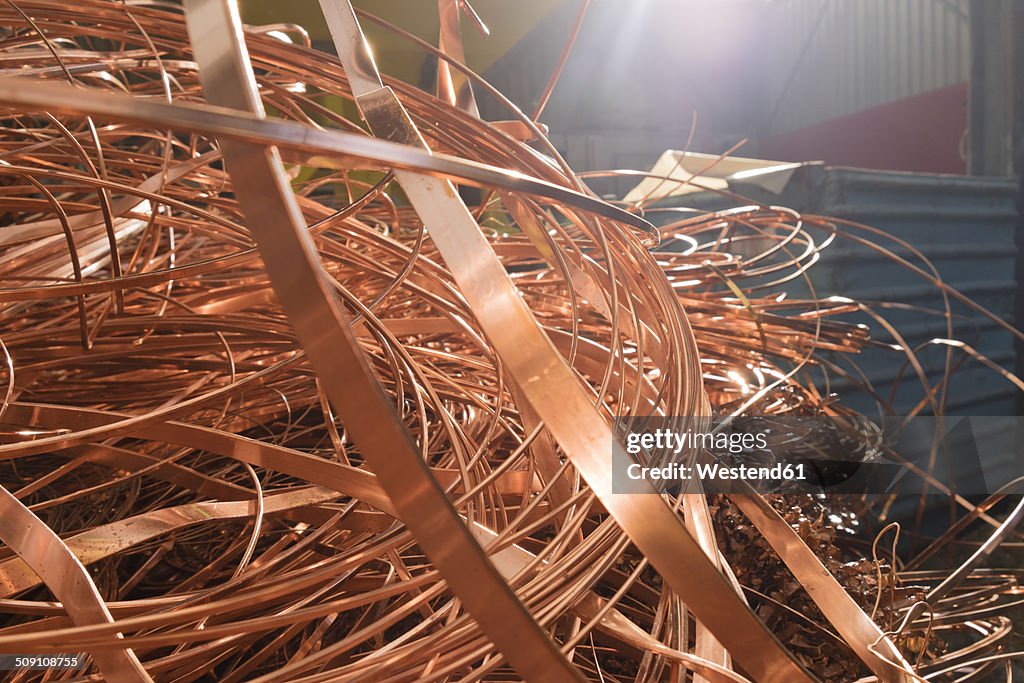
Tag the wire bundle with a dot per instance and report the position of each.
(163, 422)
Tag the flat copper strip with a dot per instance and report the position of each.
(549, 384)
(47, 555)
(333, 146)
(296, 273)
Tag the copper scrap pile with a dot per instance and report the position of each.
(260, 424)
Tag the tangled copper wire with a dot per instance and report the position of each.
(168, 420)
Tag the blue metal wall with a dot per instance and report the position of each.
(965, 226)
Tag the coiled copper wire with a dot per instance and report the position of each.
(162, 423)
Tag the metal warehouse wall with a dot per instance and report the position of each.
(755, 69)
(828, 58)
(964, 225)
(637, 74)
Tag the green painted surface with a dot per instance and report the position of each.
(508, 21)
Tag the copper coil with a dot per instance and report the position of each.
(198, 419)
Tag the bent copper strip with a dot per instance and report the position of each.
(179, 475)
(339, 477)
(555, 393)
(454, 87)
(699, 522)
(511, 560)
(296, 273)
(103, 541)
(232, 124)
(48, 556)
(861, 634)
(118, 207)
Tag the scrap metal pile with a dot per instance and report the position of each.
(279, 406)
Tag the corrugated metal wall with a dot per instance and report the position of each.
(828, 58)
(965, 226)
(754, 69)
(638, 72)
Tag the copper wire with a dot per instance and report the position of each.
(163, 421)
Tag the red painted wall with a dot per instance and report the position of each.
(919, 133)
